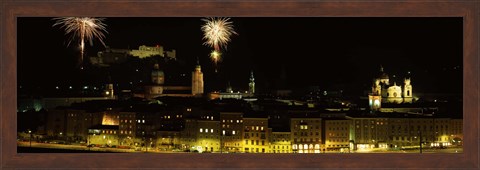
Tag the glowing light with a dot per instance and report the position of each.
(216, 33)
(83, 28)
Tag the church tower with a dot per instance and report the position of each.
(197, 80)
(407, 91)
(251, 85)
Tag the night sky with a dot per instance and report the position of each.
(331, 53)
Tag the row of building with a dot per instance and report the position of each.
(284, 129)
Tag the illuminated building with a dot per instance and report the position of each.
(456, 131)
(167, 140)
(127, 128)
(383, 91)
(256, 134)
(197, 80)
(208, 135)
(148, 51)
(115, 56)
(232, 131)
(337, 135)
(306, 133)
(230, 94)
(188, 136)
(103, 135)
(280, 142)
(251, 85)
(369, 133)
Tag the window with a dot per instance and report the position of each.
(263, 142)
(211, 130)
(261, 128)
(201, 130)
(233, 132)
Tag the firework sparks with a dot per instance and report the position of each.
(83, 28)
(217, 32)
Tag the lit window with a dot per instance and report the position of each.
(233, 132)
(168, 117)
(208, 117)
(201, 130)
(238, 121)
(211, 130)
(223, 132)
(261, 128)
(143, 121)
(211, 118)
(256, 128)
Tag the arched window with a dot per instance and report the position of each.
(394, 94)
(408, 92)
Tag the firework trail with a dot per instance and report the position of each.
(83, 28)
(217, 32)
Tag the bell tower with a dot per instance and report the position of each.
(251, 85)
(407, 91)
(197, 80)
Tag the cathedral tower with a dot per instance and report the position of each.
(197, 80)
(407, 91)
(251, 85)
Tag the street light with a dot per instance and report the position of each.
(30, 133)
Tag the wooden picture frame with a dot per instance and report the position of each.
(10, 10)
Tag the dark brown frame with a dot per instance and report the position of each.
(468, 9)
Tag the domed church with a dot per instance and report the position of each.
(383, 91)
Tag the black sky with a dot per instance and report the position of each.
(332, 53)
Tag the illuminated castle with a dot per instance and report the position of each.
(383, 91)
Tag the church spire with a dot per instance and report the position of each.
(251, 85)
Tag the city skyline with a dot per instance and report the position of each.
(393, 84)
(283, 52)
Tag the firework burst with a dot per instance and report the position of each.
(83, 28)
(216, 33)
